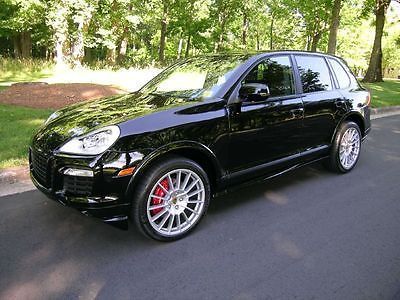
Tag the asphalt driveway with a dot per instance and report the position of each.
(310, 234)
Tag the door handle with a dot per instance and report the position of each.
(297, 113)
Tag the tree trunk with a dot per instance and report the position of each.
(374, 72)
(122, 45)
(334, 26)
(245, 29)
(257, 41)
(314, 41)
(60, 36)
(187, 47)
(78, 49)
(180, 47)
(271, 33)
(222, 21)
(26, 44)
(163, 34)
(17, 46)
(60, 40)
(110, 55)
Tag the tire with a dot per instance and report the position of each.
(346, 148)
(166, 210)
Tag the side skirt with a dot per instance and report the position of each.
(228, 184)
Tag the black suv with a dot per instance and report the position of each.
(201, 126)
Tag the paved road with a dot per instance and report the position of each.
(310, 234)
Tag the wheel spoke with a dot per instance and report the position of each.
(178, 180)
(192, 210)
(158, 206)
(171, 222)
(171, 185)
(163, 188)
(158, 215)
(178, 221)
(185, 182)
(191, 185)
(158, 197)
(195, 201)
(195, 193)
(186, 217)
(164, 220)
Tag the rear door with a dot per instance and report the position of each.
(321, 100)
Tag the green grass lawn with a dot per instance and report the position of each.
(385, 93)
(17, 125)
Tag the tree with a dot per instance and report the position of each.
(334, 26)
(163, 29)
(374, 71)
(19, 20)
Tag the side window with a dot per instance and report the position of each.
(314, 73)
(341, 75)
(276, 72)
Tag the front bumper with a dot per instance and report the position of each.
(102, 196)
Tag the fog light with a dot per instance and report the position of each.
(78, 172)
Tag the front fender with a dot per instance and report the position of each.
(173, 148)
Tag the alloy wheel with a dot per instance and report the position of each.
(349, 148)
(176, 202)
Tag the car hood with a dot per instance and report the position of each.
(82, 118)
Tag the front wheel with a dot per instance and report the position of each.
(171, 199)
(346, 148)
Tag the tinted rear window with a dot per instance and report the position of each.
(314, 73)
(341, 75)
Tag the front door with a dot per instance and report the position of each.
(262, 132)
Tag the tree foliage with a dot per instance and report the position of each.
(143, 32)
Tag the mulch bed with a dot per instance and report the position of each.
(54, 96)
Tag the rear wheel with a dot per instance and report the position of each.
(171, 199)
(346, 148)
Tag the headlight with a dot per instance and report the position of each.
(54, 115)
(93, 143)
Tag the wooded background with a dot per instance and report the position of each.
(124, 33)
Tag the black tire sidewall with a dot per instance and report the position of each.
(143, 189)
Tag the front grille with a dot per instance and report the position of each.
(80, 186)
(39, 165)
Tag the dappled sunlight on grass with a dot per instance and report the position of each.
(13, 70)
(385, 93)
(34, 122)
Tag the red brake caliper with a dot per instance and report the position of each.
(160, 193)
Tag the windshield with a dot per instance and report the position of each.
(195, 77)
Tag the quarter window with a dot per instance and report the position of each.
(314, 73)
(276, 72)
(341, 75)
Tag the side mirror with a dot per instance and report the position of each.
(254, 92)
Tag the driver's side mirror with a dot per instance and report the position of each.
(254, 92)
